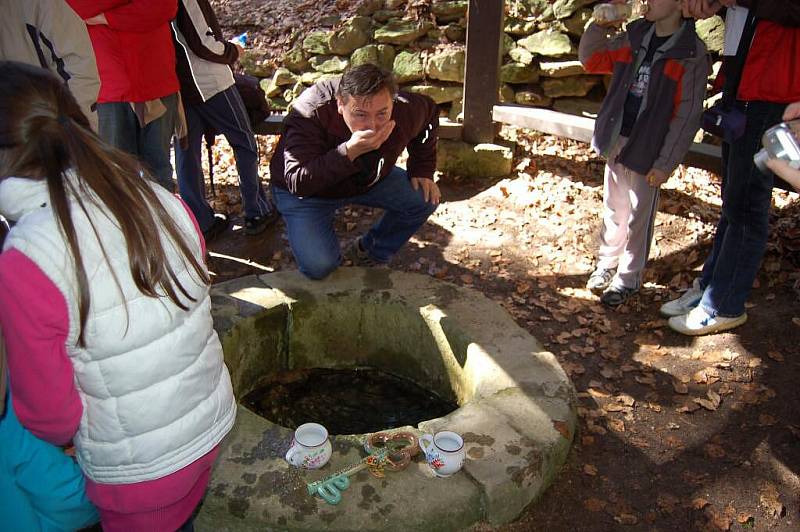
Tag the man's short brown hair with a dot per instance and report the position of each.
(366, 80)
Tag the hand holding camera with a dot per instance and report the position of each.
(781, 141)
(781, 152)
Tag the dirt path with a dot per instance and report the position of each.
(676, 433)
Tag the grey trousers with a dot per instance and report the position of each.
(629, 213)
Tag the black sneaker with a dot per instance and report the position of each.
(615, 296)
(257, 224)
(356, 255)
(219, 226)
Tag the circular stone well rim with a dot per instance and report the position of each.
(517, 413)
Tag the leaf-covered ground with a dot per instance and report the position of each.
(675, 433)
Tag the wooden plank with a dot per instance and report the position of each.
(705, 156)
(701, 155)
(481, 77)
(273, 125)
(449, 129)
(546, 121)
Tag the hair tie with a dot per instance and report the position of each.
(62, 119)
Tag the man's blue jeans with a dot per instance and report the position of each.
(309, 222)
(119, 127)
(743, 227)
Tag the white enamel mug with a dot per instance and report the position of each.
(311, 448)
(444, 452)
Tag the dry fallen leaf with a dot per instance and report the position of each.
(673, 442)
(766, 420)
(596, 429)
(714, 451)
(722, 520)
(616, 425)
(770, 500)
(688, 408)
(598, 393)
(699, 503)
(667, 502)
(655, 407)
(594, 505)
(626, 399)
(679, 387)
(775, 355)
(712, 403)
(706, 376)
(562, 428)
(626, 519)
(590, 470)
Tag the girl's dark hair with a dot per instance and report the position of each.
(366, 80)
(43, 135)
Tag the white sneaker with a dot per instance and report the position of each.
(689, 300)
(600, 280)
(698, 322)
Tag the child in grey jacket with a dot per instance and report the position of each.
(645, 126)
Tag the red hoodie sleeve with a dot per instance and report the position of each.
(90, 8)
(35, 322)
(141, 15)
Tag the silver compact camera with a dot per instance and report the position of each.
(781, 141)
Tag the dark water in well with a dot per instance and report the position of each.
(345, 401)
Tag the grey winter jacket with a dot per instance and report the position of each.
(48, 33)
(672, 105)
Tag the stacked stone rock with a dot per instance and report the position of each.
(539, 65)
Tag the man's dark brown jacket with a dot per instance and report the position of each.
(311, 159)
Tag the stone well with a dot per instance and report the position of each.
(516, 414)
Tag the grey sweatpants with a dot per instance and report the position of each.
(629, 212)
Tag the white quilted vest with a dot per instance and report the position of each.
(156, 393)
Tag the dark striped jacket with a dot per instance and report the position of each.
(672, 105)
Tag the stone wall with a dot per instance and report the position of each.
(423, 43)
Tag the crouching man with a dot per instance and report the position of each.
(339, 147)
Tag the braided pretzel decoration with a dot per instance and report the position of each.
(392, 451)
(402, 446)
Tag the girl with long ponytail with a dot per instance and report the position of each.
(104, 303)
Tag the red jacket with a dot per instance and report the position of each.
(772, 69)
(134, 52)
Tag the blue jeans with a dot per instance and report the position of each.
(223, 113)
(743, 227)
(309, 222)
(41, 488)
(119, 127)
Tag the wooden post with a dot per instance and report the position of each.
(484, 40)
